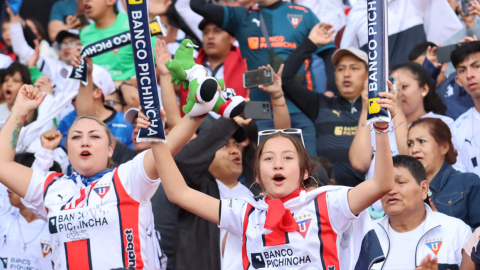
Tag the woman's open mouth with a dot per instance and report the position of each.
(85, 154)
(278, 179)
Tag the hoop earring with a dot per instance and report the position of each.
(316, 182)
(263, 193)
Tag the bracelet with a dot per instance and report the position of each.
(119, 88)
(379, 129)
(279, 105)
(279, 96)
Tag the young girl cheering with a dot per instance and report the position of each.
(326, 228)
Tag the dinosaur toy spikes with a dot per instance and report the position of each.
(203, 94)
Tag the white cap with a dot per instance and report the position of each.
(103, 80)
(130, 115)
(349, 51)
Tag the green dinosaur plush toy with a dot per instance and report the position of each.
(203, 94)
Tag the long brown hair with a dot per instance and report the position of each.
(105, 127)
(441, 133)
(304, 160)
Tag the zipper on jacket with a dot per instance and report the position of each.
(420, 241)
(388, 250)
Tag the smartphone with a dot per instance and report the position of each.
(258, 110)
(465, 6)
(83, 19)
(15, 5)
(443, 53)
(258, 77)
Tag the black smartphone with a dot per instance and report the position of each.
(83, 19)
(258, 77)
(443, 53)
(465, 6)
(258, 110)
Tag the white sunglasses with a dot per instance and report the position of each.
(293, 131)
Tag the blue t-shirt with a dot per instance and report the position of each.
(61, 9)
(287, 26)
(121, 130)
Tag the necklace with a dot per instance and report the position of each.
(21, 234)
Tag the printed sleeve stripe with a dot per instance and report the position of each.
(49, 181)
(128, 213)
(245, 261)
(78, 255)
(326, 234)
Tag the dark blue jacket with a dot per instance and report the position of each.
(457, 194)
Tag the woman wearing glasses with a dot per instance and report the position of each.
(326, 228)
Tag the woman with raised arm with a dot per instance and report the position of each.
(325, 228)
(100, 217)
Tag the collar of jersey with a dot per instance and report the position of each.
(89, 180)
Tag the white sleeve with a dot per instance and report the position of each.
(19, 44)
(464, 233)
(232, 213)
(43, 159)
(136, 181)
(338, 209)
(191, 18)
(34, 194)
(439, 20)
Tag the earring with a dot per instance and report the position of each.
(424, 94)
(303, 182)
(263, 193)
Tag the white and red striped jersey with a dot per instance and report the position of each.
(108, 224)
(329, 236)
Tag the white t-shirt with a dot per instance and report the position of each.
(233, 242)
(468, 141)
(5, 205)
(402, 248)
(108, 224)
(30, 252)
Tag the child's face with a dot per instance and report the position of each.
(10, 87)
(6, 33)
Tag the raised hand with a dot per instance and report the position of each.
(468, 39)
(32, 61)
(387, 102)
(431, 55)
(14, 18)
(320, 34)
(28, 99)
(428, 263)
(275, 88)
(159, 7)
(51, 139)
(72, 21)
(44, 84)
(162, 56)
(143, 121)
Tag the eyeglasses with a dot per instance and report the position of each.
(112, 103)
(294, 131)
(70, 43)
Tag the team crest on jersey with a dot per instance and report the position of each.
(102, 189)
(115, 51)
(435, 244)
(46, 249)
(304, 224)
(295, 19)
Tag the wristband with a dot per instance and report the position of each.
(279, 96)
(279, 105)
(119, 88)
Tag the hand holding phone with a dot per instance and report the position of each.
(255, 78)
(443, 53)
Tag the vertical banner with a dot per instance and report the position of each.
(145, 70)
(377, 59)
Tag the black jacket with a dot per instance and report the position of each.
(197, 241)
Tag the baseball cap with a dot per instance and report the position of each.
(103, 80)
(67, 33)
(130, 115)
(203, 23)
(338, 54)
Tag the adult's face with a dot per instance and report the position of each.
(216, 42)
(412, 93)
(407, 195)
(350, 76)
(68, 47)
(88, 147)
(266, 3)
(171, 36)
(468, 75)
(6, 33)
(113, 101)
(227, 163)
(422, 146)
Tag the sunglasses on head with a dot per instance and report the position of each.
(294, 131)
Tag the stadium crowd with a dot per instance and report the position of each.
(306, 183)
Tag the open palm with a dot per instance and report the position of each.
(276, 86)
